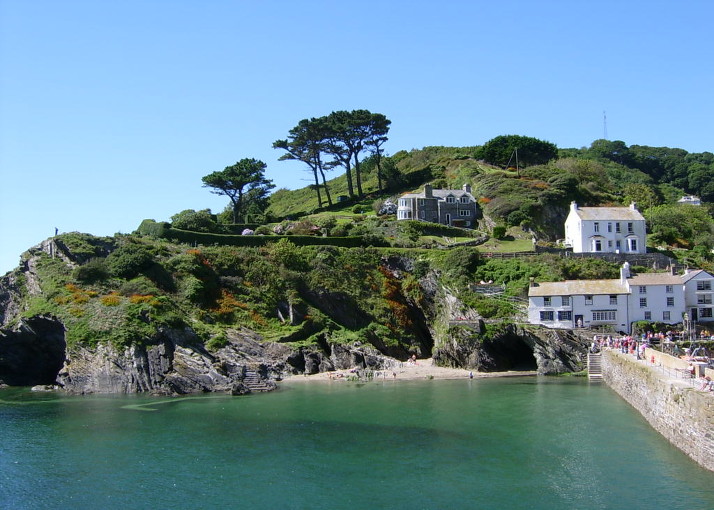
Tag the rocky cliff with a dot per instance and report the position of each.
(151, 333)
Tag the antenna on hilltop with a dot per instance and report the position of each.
(604, 125)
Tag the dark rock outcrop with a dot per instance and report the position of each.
(33, 353)
(547, 351)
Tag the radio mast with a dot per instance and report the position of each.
(604, 125)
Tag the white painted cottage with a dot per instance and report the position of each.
(657, 297)
(606, 229)
(698, 293)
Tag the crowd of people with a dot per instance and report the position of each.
(636, 345)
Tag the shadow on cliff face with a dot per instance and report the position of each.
(33, 353)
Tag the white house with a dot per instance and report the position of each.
(656, 297)
(698, 292)
(606, 229)
(690, 199)
(446, 206)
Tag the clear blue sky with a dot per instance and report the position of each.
(112, 111)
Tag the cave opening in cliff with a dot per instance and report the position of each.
(515, 354)
(34, 354)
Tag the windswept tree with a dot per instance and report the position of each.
(342, 135)
(243, 183)
(351, 133)
(306, 143)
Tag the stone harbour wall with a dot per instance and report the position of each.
(682, 414)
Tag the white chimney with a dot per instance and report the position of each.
(625, 272)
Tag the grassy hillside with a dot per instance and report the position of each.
(125, 289)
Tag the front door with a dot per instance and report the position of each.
(579, 321)
(448, 219)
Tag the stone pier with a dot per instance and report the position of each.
(672, 405)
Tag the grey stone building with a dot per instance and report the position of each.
(454, 207)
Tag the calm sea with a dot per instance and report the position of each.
(530, 443)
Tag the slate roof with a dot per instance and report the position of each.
(692, 274)
(441, 194)
(655, 279)
(609, 214)
(578, 287)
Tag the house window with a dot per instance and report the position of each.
(609, 227)
(565, 300)
(633, 244)
(565, 315)
(605, 315)
(643, 289)
(670, 301)
(463, 212)
(609, 245)
(421, 201)
(422, 214)
(546, 316)
(596, 227)
(705, 312)
(704, 285)
(588, 300)
(665, 316)
(704, 299)
(618, 244)
(402, 202)
(630, 228)
(546, 301)
(648, 316)
(450, 200)
(464, 200)
(617, 228)
(669, 289)
(643, 302)
(613, 300)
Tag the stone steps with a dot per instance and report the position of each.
(253, 382)
(594, 366)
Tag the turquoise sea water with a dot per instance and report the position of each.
(531, 443)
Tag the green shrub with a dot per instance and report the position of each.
(95, 270)
(129, 260)
(499, 231)
(217, 342)
(197, 221)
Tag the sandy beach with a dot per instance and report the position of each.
(422, 369)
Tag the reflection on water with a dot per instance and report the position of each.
(483, 443)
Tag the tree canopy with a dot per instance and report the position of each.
(530, 151)
(243, 183)
(341, 136)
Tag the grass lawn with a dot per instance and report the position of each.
(506, 245)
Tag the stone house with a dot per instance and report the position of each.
(617, 303)
(446, 206)
(605, 229)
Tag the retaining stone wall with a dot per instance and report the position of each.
(679, 412)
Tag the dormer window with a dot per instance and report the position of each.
(464, 200)
(450, 199)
